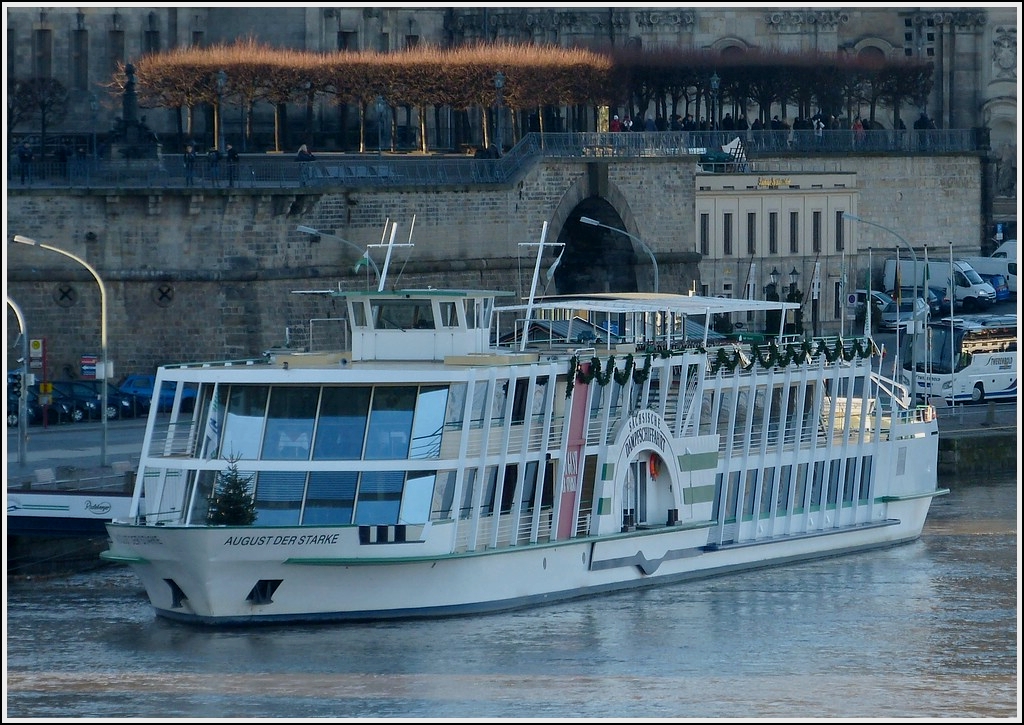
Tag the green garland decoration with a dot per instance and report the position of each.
(640, 375)
(767, 356)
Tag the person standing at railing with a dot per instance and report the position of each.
(25, 159)
(213, 156)
(190, 164)
(232, 154)
(858, 132)
(921, 128)
(304, 156)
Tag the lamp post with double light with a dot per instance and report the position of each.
(797, 297)
(365, 253)
(913, 307)
(772, 318)
(638, 240)
(102, 367)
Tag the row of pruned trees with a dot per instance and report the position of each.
(670, 79)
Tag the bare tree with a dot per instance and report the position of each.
(47, 99)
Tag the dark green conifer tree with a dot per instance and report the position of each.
(231, 503)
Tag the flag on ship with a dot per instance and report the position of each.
(213, 427)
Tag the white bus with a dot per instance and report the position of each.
(984, 347)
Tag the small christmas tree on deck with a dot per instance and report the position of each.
(231, 503)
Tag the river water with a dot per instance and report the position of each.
(924, 630)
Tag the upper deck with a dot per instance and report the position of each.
(444, 325)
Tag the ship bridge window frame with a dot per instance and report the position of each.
(402, 314)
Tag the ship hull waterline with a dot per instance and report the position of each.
(187, 581)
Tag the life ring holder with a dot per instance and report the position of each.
(653, 464)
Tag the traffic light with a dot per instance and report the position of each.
(16, 384)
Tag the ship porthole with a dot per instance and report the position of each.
(544, 563)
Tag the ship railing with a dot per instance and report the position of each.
(583, 520)
(69, 479)
(169, 439)
(536, 439)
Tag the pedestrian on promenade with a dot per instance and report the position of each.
(213, 156)
(232, 154)
(304, 156)
(190, 164)
(25, 158)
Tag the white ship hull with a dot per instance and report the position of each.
(318, 584)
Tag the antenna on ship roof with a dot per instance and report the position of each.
(406, 260)
(536, 276)
(389, 246)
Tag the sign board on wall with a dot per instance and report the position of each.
(36, 353)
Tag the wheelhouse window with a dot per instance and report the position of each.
(402, 315)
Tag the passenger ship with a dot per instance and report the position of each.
(456, 455)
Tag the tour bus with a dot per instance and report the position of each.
(984, 347)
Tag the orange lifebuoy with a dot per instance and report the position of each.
(652, 465)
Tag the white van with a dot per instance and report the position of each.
(1007, 249)
(964, 286)
(1006, 266)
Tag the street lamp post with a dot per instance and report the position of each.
(773, 318)
(638, 240)
(222, 81)
(365, 252)
(795, 296)
(103, 330)
(380, 124)
(715, 81)
(913, 314)
(499, 84)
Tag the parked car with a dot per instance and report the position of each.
(58, 410)
(879, 300)
(938, 302)
(87, 395)
(898, 317)
(999, 284)
(141, 385)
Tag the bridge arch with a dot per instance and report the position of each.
(596, 259)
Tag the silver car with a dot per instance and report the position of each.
(893, 318)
